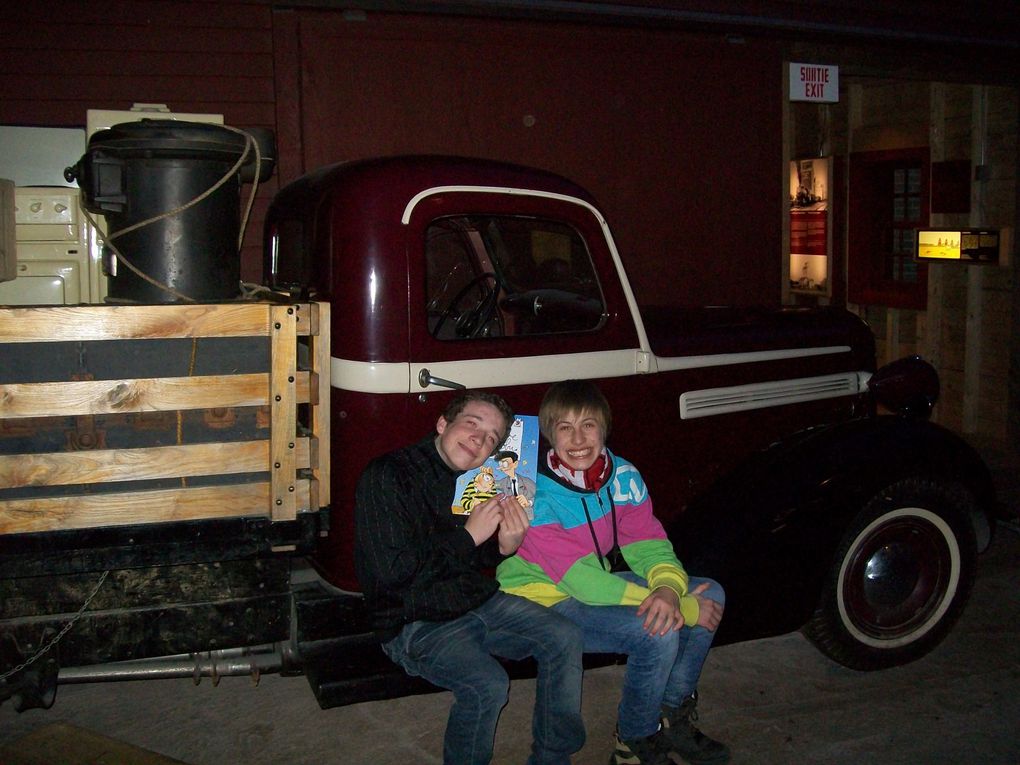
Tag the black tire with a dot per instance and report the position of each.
(900, 577)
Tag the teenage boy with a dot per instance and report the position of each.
(437, 613)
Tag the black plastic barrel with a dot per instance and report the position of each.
(138, 170)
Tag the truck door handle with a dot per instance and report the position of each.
(425, 379)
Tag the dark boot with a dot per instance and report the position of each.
(686, 740)
(652, 750)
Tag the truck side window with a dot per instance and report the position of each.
(507, 276)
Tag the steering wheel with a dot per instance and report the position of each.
(469, 323)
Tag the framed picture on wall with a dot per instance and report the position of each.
(810, 229)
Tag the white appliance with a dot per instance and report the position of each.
(57, 262)
(44, 282)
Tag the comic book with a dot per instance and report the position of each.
(512, 470)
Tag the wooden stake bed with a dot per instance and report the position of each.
(81, 485)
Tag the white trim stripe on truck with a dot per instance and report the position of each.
(367, 377)
(398, 377)
(409, 209)
(531, 370)
(673, 363)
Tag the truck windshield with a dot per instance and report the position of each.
(506, 276)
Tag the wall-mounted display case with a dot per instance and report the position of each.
(810, 229)
(980, 246)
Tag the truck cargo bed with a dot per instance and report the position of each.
(274, 470)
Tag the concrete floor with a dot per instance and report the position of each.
(773, 701)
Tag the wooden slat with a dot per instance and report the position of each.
(125, 508)
(283, 410)
(177, 15)
(109, 465)
(156, 40)
(26, 110)
(136, 63)
(78, 323)
(321, 353)
(140, 395)
(221, 89)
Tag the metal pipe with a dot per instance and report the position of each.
(252, 661)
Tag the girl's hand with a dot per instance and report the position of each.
(709, 611)
(661, 610)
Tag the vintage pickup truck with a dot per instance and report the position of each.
(176, 485)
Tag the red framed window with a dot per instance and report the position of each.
(889, 201)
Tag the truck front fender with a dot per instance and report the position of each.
(777, 520)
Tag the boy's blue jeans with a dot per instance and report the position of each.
(458, 655)
(660, 669)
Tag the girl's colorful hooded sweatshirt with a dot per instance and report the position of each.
(558, 558)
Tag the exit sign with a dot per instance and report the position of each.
(814, 82)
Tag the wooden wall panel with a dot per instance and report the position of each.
(287, 47)
(188, 33)
(175, 89)
(162, 14)
(949, 410)
(86, 63)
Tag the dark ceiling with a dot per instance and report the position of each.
(978, 24)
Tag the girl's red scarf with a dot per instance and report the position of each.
(592, 479)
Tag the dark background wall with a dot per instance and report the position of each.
(671, 114)
(679, 136)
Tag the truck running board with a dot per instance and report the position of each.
(342, 658)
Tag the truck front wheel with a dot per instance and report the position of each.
(900, 577)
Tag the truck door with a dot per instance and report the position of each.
(511, 291)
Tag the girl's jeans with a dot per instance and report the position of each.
(660, 669)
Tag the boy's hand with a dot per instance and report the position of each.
(485, 519)
(514, 526)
